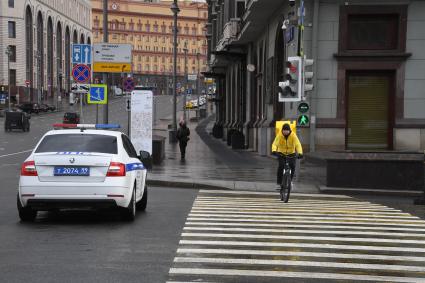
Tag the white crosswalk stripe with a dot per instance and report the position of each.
(235, 236)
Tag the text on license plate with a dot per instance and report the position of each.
(71, 171)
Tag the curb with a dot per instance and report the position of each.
(359, 191)
(182, 184)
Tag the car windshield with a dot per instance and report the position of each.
(78, 143)
(70, 115)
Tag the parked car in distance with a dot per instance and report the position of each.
(71, 118)
(30, 107)
(47, 107)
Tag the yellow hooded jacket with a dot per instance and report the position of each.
(288, 145)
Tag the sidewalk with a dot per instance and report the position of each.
(210, 163)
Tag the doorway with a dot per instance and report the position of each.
(370, 111)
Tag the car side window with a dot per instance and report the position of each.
(128, 146)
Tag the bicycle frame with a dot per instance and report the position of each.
(285, 188)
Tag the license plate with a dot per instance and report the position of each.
(71, 171)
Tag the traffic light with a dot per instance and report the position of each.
(307, 76)
(290, 90)
(303, 116)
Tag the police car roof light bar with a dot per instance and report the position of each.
(87, 126)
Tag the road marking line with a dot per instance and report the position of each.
(315, 275)
(383, 267)
(267, 206)
(324, 210)
(291, 225)
(419, 221)
(289, 220)
(301, 245)
(299, 237)
(313, 212)
(302, 254)
(289, 231)
(269, 193)
(15, 153)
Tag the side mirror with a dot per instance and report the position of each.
(146, 159)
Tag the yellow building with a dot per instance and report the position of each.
(149, 28)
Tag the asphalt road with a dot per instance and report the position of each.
(85, 246)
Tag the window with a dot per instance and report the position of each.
(372, 32)
(148, 27)
(147, 68)
(11, 3)
(78, 143)
(12, 29)
(12, 76)
(129, 148)
(131, 26)
(139, 67)
(12, 53)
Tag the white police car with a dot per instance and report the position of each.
(84, 166)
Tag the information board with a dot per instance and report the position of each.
(141, 120)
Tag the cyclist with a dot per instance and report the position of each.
(287, 144)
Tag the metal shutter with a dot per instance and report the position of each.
(368, 112)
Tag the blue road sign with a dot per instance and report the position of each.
(81, 54)
(81, 73)
(98, 94)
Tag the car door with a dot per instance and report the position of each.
(135, 166)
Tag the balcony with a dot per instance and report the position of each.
(257, 15)
(230, 32)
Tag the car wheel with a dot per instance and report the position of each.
(129, 213)
(141, 205)
(26, 214)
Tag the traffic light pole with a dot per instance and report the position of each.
(105, 39)
(313, 102)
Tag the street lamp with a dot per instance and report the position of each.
(197, 87)
(172, 134)
(8, 53)
(185, 50)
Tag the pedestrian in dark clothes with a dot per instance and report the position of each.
(183, 134)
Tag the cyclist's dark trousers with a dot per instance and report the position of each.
(291, 162)
(183, 149)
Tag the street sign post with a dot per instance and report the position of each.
(81, 73)
(80, 88)
(81, 54)
(112, 58)
(128, 84)
(98, 94)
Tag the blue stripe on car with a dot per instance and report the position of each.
(134, 166)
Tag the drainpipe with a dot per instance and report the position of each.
(313, 102)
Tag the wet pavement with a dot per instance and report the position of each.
(211, 161)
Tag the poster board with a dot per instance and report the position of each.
(141, 120)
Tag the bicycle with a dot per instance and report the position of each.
(286, 185)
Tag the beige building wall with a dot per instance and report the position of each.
(149, 28)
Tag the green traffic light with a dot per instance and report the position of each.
(303, 120)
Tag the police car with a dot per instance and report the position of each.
(83, 166)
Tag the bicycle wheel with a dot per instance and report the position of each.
(286, 188)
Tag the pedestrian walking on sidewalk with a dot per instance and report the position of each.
(183, 134)
(286, 144)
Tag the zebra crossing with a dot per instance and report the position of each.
(238, 236)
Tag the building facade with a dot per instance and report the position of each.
(148, 26)
(369, 71)
(40, 33)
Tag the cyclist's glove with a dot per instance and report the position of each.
(300, 156)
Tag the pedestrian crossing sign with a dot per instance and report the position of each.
(98, 94)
